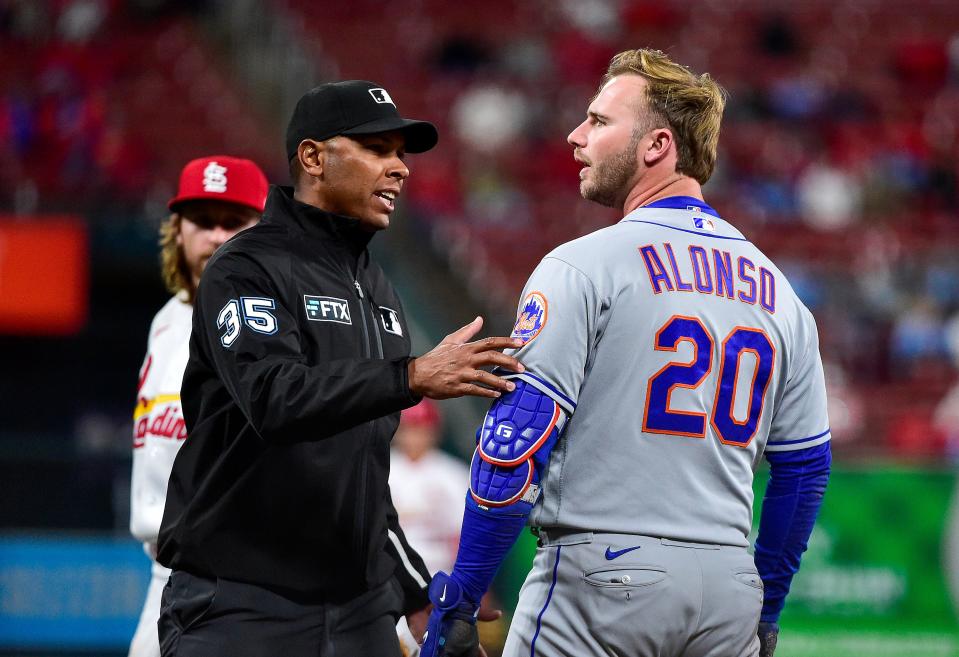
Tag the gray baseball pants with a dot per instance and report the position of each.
(589, 594)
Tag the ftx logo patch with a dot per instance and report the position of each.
(381, 96)
(327, 309)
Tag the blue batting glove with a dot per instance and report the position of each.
(451, 631)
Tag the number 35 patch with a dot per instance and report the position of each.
(254, 312)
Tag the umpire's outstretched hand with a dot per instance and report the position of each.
(452, 368)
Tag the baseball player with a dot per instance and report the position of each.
(422, 480)
(218, 196)
(426, 485)
(665, 355)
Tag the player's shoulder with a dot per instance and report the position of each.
(173, 319)
(449, 465)
(176, 310)
(255, 251)
(264, 238)
(445, 471)
(586, 252)
(599, 257)
(790, 311)
(786, 293)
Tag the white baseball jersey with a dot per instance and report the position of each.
(158, 426)
(428, 496)
(682, 353)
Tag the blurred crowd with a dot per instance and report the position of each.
(101, 102)
(838, 155)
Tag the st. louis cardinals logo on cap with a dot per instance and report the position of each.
(381, 96)
(214, 178)
(532, 317)
(221, 178)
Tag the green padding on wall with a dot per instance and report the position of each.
(511, 576)
(876, 564)
(876, 560)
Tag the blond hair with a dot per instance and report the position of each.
(176, 273)
(690, 105)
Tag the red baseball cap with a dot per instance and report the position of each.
(423, 414)
(222, 178)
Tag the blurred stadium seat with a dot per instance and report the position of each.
(839, 157)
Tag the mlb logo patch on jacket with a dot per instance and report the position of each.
(391, 321)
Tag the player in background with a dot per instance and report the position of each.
(423, 479)
(665, 356)
(218, 197)
(427, 486)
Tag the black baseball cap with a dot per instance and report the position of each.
(353, 107)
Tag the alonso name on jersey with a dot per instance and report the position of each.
(709, 271)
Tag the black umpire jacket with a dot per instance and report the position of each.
(297, 373)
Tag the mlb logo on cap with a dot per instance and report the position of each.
(344, 108)
(381, 96)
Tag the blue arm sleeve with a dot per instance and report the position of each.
(514, 444)
(486, 537)
(797, 482)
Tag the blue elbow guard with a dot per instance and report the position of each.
(517, 435)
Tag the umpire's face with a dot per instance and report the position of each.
(608, 142)
(362, 176)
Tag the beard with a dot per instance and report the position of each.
(611, 176)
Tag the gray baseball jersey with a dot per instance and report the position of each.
(682, 353)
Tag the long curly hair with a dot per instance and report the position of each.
(176, 273)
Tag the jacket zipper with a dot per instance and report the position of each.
(366, 327)
(362, 542)
(376, 329)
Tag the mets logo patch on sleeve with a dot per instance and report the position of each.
(532, 317)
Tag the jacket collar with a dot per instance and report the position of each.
(282, 208)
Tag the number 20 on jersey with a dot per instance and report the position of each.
(660, 418)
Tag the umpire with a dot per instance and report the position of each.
(279, 525)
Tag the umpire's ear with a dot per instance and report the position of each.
(311, 156)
